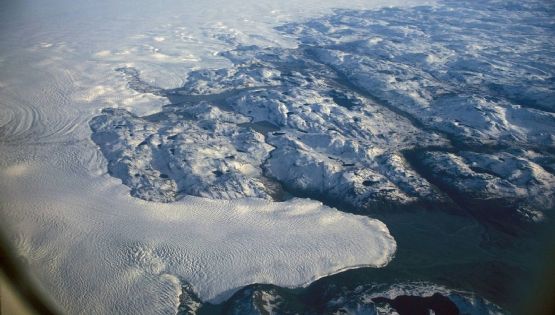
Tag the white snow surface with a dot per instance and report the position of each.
(107, 252)
(93, 247)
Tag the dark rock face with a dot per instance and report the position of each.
(373, 299)
(416, 305)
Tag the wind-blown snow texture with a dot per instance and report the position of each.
(452, 104)
(215, 246)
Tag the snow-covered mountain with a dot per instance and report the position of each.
(372, 108)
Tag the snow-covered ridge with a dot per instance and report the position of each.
(305, 132)
(336, 116)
